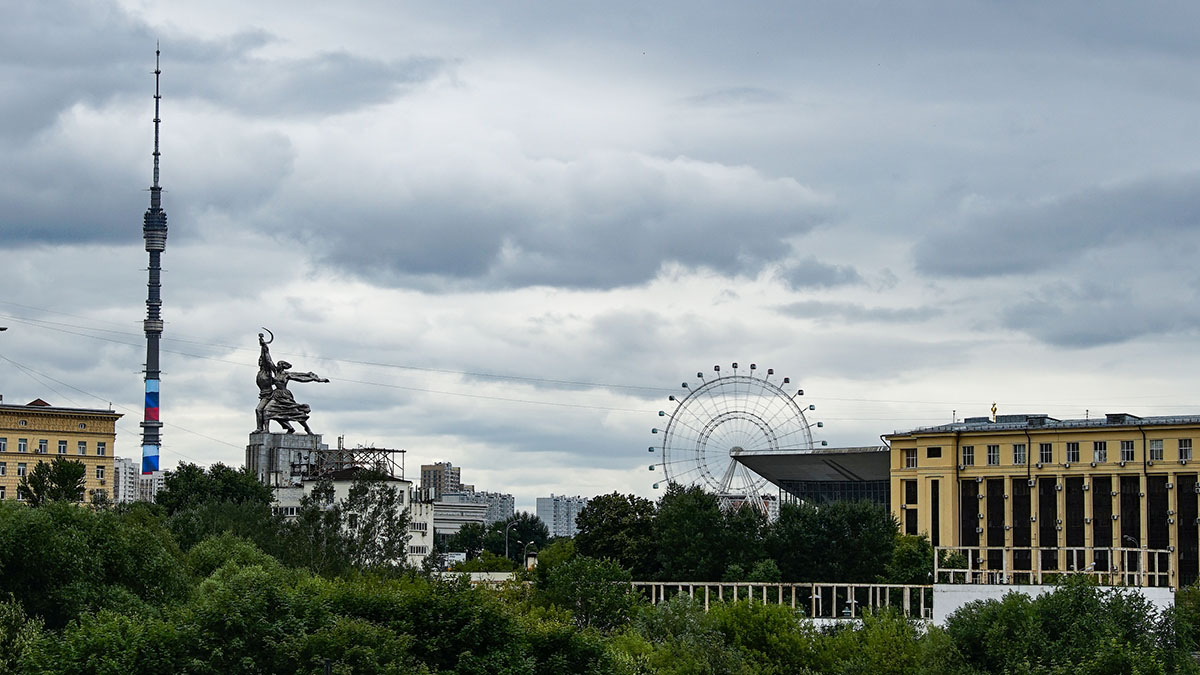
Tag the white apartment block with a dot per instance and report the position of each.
(559, 513)
(501, 506)
(149, 485)
(126, 480)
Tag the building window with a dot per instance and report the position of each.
(83, 447)
(1019, 456)
(933, 452)
(22, 445)
(1099, 451)
(101, 448)
(1126, 451)
(1072, 452)
(20, 469)
(3, 444)
(1156, 450)
(1046, 453)
(22, 423)
(62, 447)
(1185, 448)
(2, 492)
(43, 446)
(82, 425)
(968, 455)
(3, 469)
(100, 472)
(993, 455)
(910, 458)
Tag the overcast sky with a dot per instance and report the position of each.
(508, 231)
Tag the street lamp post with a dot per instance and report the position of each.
(506, 529)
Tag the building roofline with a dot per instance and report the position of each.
(7, 407)
(1042, 422)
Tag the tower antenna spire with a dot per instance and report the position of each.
(154, 231)
(157, 97)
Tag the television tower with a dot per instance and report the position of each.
(154, 231)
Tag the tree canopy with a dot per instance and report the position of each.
(190, 485)
(61, 480)
(621, 528)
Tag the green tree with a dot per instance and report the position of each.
(60, 480)
(1076, 628)
(19, 635)
(690, 536)
(912, 561)
(62, 561)
(677, 636)
(376, 522)
(765, 571)
(885, 643)
(528, 529)
(621, 528)
(468, 540)
(769, 638)
(314, 539)
(745, 530)
(251, 520)
(557, 552)
(597, 592)
(190, 484)
(839, 541)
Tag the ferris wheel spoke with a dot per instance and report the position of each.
(727, 476)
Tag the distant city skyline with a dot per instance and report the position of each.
(507, 233)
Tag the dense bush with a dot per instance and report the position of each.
(61, 561)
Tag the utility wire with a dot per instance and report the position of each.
(67, 329)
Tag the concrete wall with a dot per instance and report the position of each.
(948, 598)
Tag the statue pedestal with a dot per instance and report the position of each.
(279, 460)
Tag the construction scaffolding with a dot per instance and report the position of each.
(324, 462)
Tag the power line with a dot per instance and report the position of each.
(30, 371)
(65, 328)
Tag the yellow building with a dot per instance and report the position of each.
(40, 432)
(1007, 487)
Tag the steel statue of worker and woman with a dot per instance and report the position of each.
(275, 401)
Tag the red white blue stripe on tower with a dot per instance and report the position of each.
(150, 451)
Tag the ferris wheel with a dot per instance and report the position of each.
(720, 418)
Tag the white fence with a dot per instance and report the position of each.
(816, 601)
(1112, 566)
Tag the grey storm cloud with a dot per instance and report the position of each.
(854, 312)
(62, 52)
(1096, 313)
(57, 55)
(1020, 240)
(600, 222)
(812, 273)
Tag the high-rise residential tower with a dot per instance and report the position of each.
(154, 231)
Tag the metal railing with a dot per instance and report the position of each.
(814, 600)
(1113, 566)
